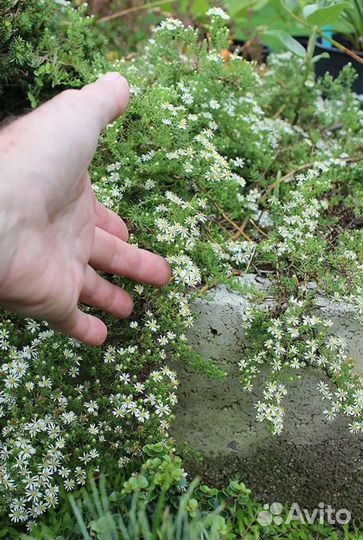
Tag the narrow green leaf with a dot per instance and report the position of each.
(309, 10)
(79, 518)
(287, 41)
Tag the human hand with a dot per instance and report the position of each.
(54, 235)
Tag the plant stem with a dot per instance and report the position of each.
(233, 223)
(341, 47)
(310, 52)
(308, 65)
(336, 44)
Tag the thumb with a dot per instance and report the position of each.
(107, 97)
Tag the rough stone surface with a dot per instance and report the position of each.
(312, 461)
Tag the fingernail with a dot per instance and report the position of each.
(111, 76)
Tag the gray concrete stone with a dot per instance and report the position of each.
(346, 326)
(312, 461)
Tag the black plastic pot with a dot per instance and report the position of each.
(303, 40)
(336, 61)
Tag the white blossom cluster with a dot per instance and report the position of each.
(192, 158)
(170, 25)
(295, 340)
(217, 12)
(37, 452)
(183, 235)
(298, 217)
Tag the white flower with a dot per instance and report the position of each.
(119, 412)
(139, 387)
(91, 407)
(32, 326)
(69, 484)
(125, 378)
(142, 415)
(169, 24)
(69, 417)
(93, 429)
(64, 472)
(330, 414)
(139, 289)
(18, 516)
(163, 340)
(187, 98)
(217, 12)
(238, 162)
(33, 494)
(149, 184)
(162, 409)
(152, 325)
(213, 104)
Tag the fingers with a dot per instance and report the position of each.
(107, 98)
(112, 255)
(84, 327)
(109, 221)
(102, 294)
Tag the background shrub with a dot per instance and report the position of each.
(44, 45)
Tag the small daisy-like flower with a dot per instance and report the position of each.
(142, 415)
(162, 409)
(152, 325)
(217, 12)
(69, 417)
(139, 387)
(69, 484)
(93, 429)
(118, 412)
(139, 289)
(125, 378)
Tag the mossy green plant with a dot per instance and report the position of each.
(212, 172)
(44, 44)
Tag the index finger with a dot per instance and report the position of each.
(112, 255)
(109, 221)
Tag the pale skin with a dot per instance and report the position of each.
(54, 235)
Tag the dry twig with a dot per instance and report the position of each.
(134, 9)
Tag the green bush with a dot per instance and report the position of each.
(44, 44)
(212, 170)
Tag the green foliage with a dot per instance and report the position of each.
(321, 15)
(44, 44)
(287, 41)
(224, 169)
(276, 22)
(156, 502)
(259, 13)
(353, 17)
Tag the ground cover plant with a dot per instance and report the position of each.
(224, 168)
(157, 501)
(44, 45)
